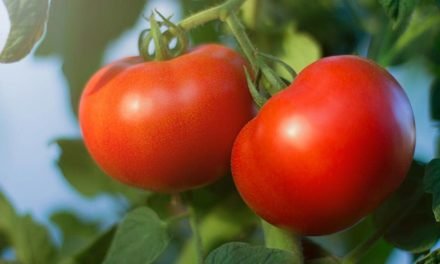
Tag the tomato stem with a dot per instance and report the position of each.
(217, 12)
(275, 237)
(193, 221)
(243, 40)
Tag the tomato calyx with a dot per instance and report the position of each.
(164, 46)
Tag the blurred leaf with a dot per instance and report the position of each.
(8, 262)
(140, 238)
(3, 242)
(417, 231)
(398, 10)
(28, 20)
(331, 23)
(435, 100)
(431, 183)
(243, 253)
(299, 49)
(95, 251)
(250, 14)
(417, 37)
(30, 240)
(82, 173)
(219, 226)
(79, 32)
(76, 232)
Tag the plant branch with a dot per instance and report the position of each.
(198, 245)
(217, 12)
(275, 237)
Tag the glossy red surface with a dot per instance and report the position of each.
(327, 150)
(166, 126)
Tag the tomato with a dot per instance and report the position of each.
(327, 150)
(166, 126)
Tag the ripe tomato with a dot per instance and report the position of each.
(327, 150)
(166, 126)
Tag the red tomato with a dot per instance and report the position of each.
(166, 126)
(327, 150)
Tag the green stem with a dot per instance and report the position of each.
(217, 12)
(243, 40)
(359, 251)
(177, 218)
(276, 84)
(193, 221)
(161, 52)
(275, 237)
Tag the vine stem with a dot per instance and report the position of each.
(193, 221)
(354, 255)
(275, 237)
(217, 12)
(243, 40)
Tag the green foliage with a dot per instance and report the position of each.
(95, 251)
(82, 173)
(76, 232)
(26, 236)
(80, 30)
(406, 217)
(242, 253)
(299, 49)
(398, 10)
(301, 31)
(28, 20)
(432, 185)
(140, 238)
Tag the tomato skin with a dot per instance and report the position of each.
(327, 150)
(166, 126)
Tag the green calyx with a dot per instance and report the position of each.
(162, 40)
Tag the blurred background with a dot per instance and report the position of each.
(44, 169)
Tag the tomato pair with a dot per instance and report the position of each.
(319, 156)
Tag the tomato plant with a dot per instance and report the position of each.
(327, 150)
(329, 153)
(166, 126)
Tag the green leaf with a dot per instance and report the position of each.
(95, 251)
(432, 185)
(28, 20)
(243, 253)
(79, 31)
(76, 232)
(140, 238)
(417, 230)
(435, 101)
(418, 36)
(299, 50)
(29, 239)
(82, 173)
(398, 10)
